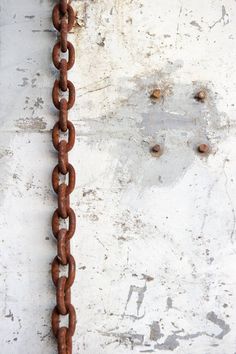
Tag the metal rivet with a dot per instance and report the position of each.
(200, 96)
(203, 148)
(156, 94)
(156, 150)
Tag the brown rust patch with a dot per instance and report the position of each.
(156, 94)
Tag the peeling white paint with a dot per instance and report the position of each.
(155, 243)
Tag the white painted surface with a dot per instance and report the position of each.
(155, 242)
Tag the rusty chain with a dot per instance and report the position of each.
(63, 178)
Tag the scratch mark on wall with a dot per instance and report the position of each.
(25, 82)
(155, 331)
(27, 124)
(171, 342)
(169, 303)
(194, 23)
(127, 339)
(230, 202)
(211, 316)
(140, 292)
(224, 18)
(10, 315)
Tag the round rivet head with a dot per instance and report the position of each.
(156, 150)
(203, 148)
(200, 96)
(156, 94)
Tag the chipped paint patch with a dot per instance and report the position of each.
(27, 124)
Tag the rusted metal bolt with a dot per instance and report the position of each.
(203, 148)
(156, 150)
(156, 94)
(200, 96)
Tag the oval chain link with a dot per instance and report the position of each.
(63, 18)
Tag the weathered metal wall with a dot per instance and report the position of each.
(155, 243)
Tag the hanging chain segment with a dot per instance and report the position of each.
(63, 18)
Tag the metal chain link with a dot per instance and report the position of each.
(63, 18)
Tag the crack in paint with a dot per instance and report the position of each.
(224, 17)
(172, 341)
(211, 316)
(127, 339)
(140, 291)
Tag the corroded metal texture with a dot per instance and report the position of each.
(156, 248)
(63, 17)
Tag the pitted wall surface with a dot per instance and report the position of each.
(155, 243)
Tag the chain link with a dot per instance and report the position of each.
(63, 18)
